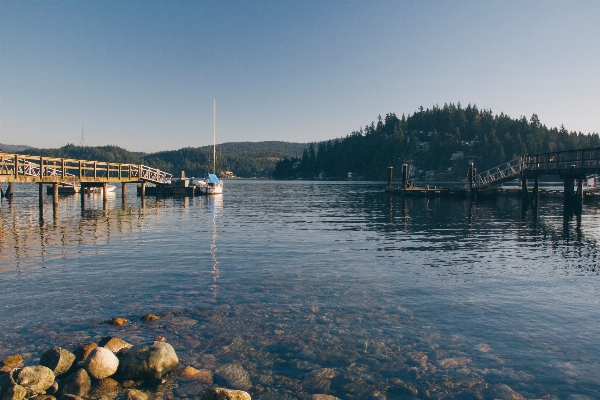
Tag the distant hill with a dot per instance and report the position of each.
(244, 159)
(14, 148)
(261, 148)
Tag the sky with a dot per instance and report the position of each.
(142, 75)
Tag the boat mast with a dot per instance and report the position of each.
(214, 135)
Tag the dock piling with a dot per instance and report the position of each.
(124, 194)
(390, 176)
(41, 200)
(524, 193)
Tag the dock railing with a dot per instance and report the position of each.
(25, 168)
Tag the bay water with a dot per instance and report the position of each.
(316, 288)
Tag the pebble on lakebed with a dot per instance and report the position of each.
(109, 370)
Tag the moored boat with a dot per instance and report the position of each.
(64, 188)
(212, 184)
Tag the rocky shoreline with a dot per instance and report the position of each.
(113, 369)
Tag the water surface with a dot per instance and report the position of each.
(330, 288)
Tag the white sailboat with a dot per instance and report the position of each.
(213, 184)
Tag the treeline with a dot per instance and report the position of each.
(440, 142)
(243, 159)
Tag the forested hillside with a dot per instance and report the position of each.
(437, 142)
(244, 159)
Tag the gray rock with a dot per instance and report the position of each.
(78, 383)
(190, 389)
(35, 379)
(134, 394)
(52, 389)
(70, 397)
(225, 394)
(16, 392)
(106, 388)
(43, 397)
(148, 361)
(58, 360)
(101, 363)
(233, 376)
(84, 351)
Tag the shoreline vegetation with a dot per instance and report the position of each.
(437, 143)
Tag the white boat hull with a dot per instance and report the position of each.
(209, 189)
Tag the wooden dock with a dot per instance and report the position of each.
(55, 171)
(573, 167)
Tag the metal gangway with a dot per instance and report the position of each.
(576, 164)
(498, 175)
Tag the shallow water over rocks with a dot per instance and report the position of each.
(291, 289)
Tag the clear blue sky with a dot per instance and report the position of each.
(142, 74)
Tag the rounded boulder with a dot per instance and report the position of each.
(35, 379)
(148, 361)
(58, 360)
(101, 363)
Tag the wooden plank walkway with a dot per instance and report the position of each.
(24, 168)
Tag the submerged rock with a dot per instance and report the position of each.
(193, 374)
(114, 344)
(323, 397)
(106, 388)
(35, 379)
(58, 360)
(134, 394)
(503, 392)
(225, 394)
(117, 321)
(78, 383)
(233, 376)
(101, 363)
(454, 362)
(13, 361)
(150, 317)
(70, 397)
(148, 361)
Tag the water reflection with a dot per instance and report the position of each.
(329, 288)
(215, 207)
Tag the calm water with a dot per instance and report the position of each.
(317, 288)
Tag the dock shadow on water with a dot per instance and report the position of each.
(317, 288)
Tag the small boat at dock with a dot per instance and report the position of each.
(64, 188)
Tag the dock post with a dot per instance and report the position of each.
(124, 193)
(404, 176)
(390, 176)
(568, 191)
(41, 200)
(55, 194)
(535, 196)
(471, 178)
(579, 196)
(55, 200)
(524, 193)
(82, 194)
(143, 193)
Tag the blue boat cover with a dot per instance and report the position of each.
(213, 178)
